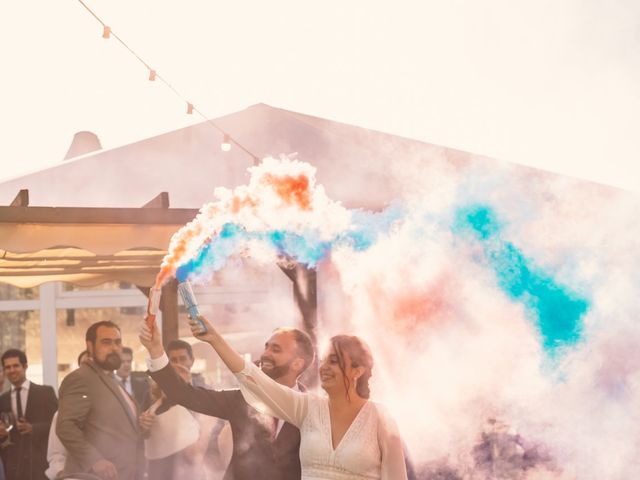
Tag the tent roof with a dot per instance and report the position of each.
(188, 163)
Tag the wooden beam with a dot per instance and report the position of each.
(22, 258)
(89, 215)
(159, 201)
(22, 199)
(86, 263)
(77, 270)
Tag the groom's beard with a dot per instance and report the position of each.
(277, 371)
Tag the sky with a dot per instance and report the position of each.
(546, 83)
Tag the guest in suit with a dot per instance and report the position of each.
(135, 385)
(98, 420)
(56, 453)
(33, 406)
(263, 447)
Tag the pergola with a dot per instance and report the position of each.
(83, 245)
(89, 246)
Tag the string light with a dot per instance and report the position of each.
(225, 146)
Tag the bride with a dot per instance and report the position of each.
(344, 435)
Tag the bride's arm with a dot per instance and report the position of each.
(393, 466)
(259, 390)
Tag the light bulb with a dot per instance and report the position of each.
(225, 146)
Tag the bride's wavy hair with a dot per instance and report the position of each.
(360, 356)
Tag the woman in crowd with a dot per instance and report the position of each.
(344, 435)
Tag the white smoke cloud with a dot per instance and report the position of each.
(477, 387)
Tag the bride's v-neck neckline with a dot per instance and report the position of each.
(349, 429)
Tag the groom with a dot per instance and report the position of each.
(264, 448)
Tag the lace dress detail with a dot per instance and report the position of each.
(370, 449)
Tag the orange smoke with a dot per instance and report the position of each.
(237, 203)
(292, 190)
(178, 249)
(411, 307)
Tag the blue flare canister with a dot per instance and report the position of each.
(190, 302)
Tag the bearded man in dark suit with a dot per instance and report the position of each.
(98, 420)
(25, 452)
(264, 448)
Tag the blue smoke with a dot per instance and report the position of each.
(305, 247)
(556, 310)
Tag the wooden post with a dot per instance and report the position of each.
(48, 334)
(169, 308)
(169, 296)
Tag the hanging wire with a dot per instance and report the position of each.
(153, 75)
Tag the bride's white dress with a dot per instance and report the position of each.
(370, 449)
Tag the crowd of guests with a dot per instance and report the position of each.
(112, 423)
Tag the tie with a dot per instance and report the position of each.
(125, 395)
(19, 403)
